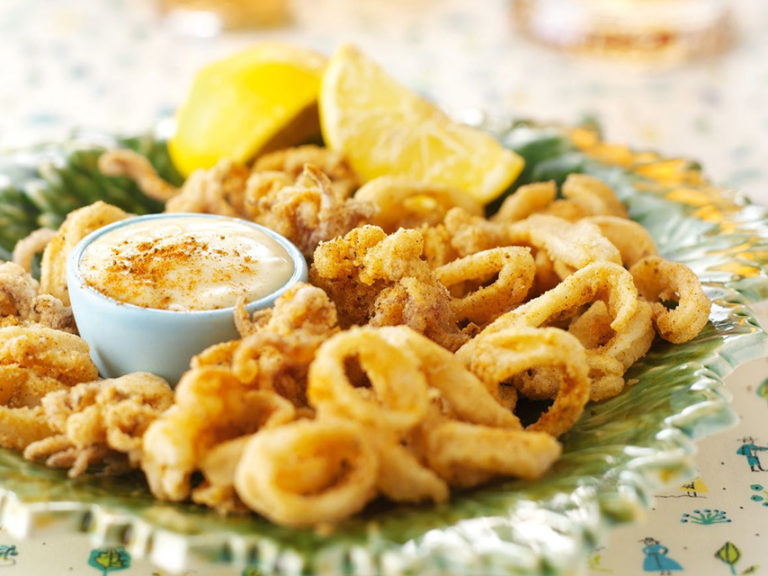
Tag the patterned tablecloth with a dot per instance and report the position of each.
(113, 65)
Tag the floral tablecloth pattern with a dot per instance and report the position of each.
(112, 65)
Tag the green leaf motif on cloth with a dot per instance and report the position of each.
(109, 559)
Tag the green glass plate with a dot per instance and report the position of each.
(617, 455)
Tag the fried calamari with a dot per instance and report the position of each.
(680, 307)
(47, 352)
(136, 167)
(383, 280)
(395, 373)
(308, 472)
(22, 304)
(78, 224)
(292, 162)
(22, 419)
(302, 193)
(310, 210)
(27, 248)
(211, 406)
(100, 422)
(34, 361)
(275, 354)
(404, 203)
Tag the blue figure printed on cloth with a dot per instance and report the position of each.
(749, 449)
(7, 554)
(656, 559)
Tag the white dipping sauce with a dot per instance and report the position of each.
(185, 263)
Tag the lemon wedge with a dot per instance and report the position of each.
(257, 100)
(385, 129)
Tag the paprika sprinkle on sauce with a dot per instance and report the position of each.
(185, 263)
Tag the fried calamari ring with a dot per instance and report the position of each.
(136, 167)
(660, 280)
(526, 200)
(402, 477)
(593, 327)
(18, 291)
(606, 376)
(211, 406)
(22, 418)
(422, 305)
(78, 224)
(601, 281)
(630, 344)
(592, 196)
(598, 281)
(292, 161)
(48, 352)
(308, 472)
(467, 454)
(632, 240)
(397, 399)
(470, 234)
(437, 245)
(220, 354)
(405, 203)
(27, 248)
(499, 356)
(468, 397)
(611, 353)
(511, 271)
(218, 467)
(569, 245)
(22, 305)
(20, 427)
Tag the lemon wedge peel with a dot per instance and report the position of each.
(257, 100)
(385, 129)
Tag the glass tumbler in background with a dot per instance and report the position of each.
(650, 31)
(205, 18)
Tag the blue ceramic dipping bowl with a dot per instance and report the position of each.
(126, 338)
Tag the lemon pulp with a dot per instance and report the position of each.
(385, 129)
(258, 100)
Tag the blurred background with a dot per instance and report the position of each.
(120, 65)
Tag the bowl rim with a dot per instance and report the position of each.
(73, 274)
